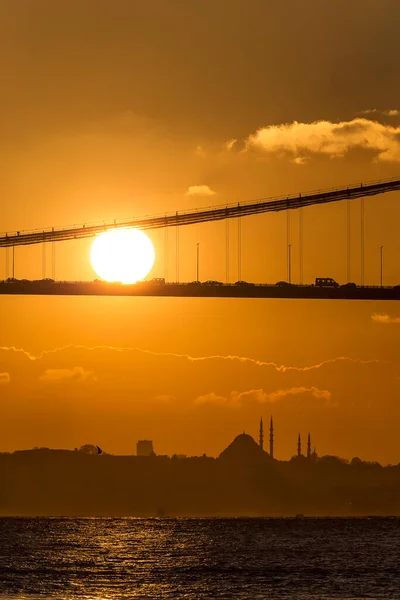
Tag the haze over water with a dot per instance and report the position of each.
(292, 559)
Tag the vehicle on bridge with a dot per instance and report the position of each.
(158, 280)
(326, 282)
(244, 283)
(284, 284)
(350, 285)
(210, 282)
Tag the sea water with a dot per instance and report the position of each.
(107, 558)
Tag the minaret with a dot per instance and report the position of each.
(299, 446)
(271, 438)
(261, 434)
(309, 447)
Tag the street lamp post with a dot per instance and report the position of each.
(381, 266)
(198, 262)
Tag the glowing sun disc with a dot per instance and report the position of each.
(125, 255)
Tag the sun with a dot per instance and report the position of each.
(125, 255)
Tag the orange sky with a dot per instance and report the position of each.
(111, 110)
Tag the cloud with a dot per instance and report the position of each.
(211, 398)
(200, 152)
(4, 378)
(230, 144)
(237, 399)
(385, 319)
(77, 374)
(190, 358)
(294, 391)
(199, 190)
(300, 140)
(389, 112)
(301, 160)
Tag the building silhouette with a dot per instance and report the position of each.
(309, 446)
(310, 454)
(144, 448)
(244, 480)
(244, 450)
(271, 438)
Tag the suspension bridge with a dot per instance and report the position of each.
(324, 288)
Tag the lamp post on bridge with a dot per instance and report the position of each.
(381, 249)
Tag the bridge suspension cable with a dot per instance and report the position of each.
(213, 213)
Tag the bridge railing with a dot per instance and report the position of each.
(212, 213)
(189, 211)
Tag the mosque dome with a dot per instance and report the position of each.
(243, 448)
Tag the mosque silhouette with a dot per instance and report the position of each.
(244, 447)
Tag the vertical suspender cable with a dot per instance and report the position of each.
(44, 260)
(177, 254)
(239, 249)
(13, 262)
(7, 262)
(348, 242)
(227, 249)
(53, 260)
(301, 243)
(362, 241)
(288, 244)
(166, 253)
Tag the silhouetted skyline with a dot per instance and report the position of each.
(243, 480)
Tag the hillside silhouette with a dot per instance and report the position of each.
(243, 480)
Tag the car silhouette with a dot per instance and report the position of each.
(243, 283)
(210, 282)
(283, 284)
(350, 285)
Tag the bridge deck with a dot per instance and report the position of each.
(82, 288)
(213, 213)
